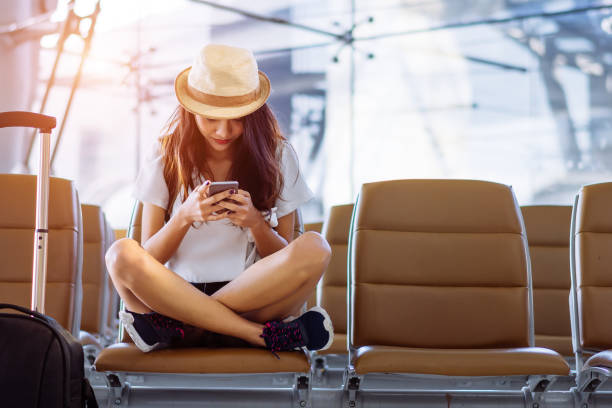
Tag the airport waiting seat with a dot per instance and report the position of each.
(316, 227)
(440, 296)
(313, 226)
(591, 293)
(112, 312)
(64, 255)
(332, 288)
(548, 232)
(95, 278)
(284, 380)
(112, 321)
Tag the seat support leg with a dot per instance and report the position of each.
(581, 399)
(351, 389)
(319, 367)
(302, 392)
(116, 390)
(590, 383)
(535, 389)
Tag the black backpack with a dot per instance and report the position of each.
(41, 363)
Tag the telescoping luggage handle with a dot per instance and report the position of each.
(39, 267)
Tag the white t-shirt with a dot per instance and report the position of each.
(216, 251)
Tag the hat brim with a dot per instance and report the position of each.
(219, 112)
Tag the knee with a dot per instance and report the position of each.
(314, 250)
(123, 259)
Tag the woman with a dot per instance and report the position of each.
(196, 269)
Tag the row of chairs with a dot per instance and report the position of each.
(79, 294)
(440, 308)
(78, 298)
(440, 300)
(439, 283)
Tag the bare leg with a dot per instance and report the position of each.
(277, 285)
(290, 306)
(145, 284)
(132, 303)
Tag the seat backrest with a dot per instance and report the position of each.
(592, 257)
(298, 224)
(112, 309)
(313, 226)
(64, 253)
(548, 231)
(135, 228)
(439, 264)
(119, 233)
(316, 227)
(95, 284)
(332, 289)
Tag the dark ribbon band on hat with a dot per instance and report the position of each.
(223, 101)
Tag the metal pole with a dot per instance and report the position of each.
(77, 79)
(352, 107)
(39, 266)
(60, 49)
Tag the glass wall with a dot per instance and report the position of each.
(513, 91)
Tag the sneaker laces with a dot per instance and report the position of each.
(283, 336)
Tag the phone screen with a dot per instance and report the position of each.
(219, 186)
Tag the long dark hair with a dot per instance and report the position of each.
(256, 164)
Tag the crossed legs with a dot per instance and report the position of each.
(272, 288)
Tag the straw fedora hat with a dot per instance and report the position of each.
(222, 83)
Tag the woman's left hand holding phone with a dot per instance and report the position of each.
(241, 210)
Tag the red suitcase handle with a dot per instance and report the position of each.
(27, 119)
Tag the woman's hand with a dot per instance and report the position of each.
(241, 211)
(199, 207)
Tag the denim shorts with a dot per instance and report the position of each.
(195, 336)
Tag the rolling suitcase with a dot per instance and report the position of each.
(42, 363)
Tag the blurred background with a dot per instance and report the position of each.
(512, 91)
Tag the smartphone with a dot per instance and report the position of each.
(219, 186)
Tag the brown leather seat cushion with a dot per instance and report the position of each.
(561, 344)
(602, 359)
(127, 357)
(338, 345)
(458, 362)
